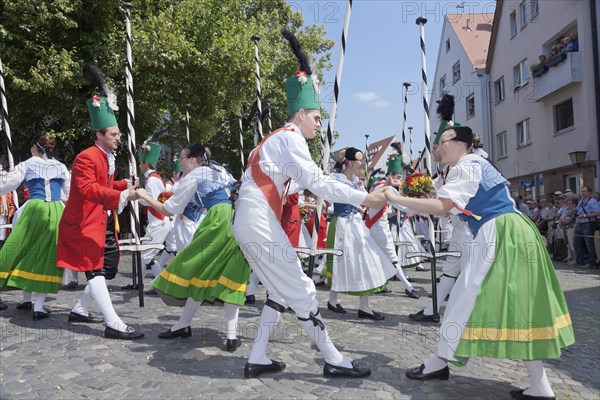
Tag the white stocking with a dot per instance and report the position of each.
(539, 381)
(39, 302)
(333, 298)
(252, 285)
(156, 268)
(99, 293)
(364, 304)
(26, 297)
(443, 289)
(190, 308)
(164, 259)
(83, 305)
(400, 275)
(321, 338)
(434, 364)
(268, 319)
(231, 318)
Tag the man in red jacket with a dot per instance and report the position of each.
(87, 240)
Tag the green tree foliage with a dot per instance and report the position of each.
(186, 53)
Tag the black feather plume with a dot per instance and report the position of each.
(97, 78)
(157, 135)
(446, 107)
(297, 49)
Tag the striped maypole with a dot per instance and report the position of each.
(406, 86)
(366, 158)
(257, 139)
(241, 144)
(327, 143)
(9, 146)
(421, 21)
(268, 103)
(134, 213)
(410, 153)
(187, 123)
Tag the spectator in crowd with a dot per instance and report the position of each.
(567, 224)
(588, 209)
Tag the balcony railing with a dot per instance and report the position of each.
(558, 77)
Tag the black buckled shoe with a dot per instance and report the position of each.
(25, 306)
(412, 294)
(39, 315)
(183, 333)
(409, 279)
(131, 334)
(417, 373)
(255, 370)
(336, 309)
(333, 371)
(375, 316)
(88, 319)
(231, 345)
(420, 316)
(130, 286)
(151, 292)
(518, 394)
(250, 299)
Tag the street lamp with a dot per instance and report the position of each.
(578, 157)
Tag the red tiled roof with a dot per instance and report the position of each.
(477, 41)
(377, 149)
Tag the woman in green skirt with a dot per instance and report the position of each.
(211, 267)
(28, 257)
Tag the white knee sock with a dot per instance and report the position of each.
(190, 308)
(164, 259)
(268, 319)
(364, 304)
(400, 275)
(333, 298)
(39, 301)
(320, 337)
(443, 289)
(156, 269)
(26, 297)
(83, 305)
(74, 276)
(434, 364)
(252, 284)
(99, 293)
(539, 381)
(231, 320)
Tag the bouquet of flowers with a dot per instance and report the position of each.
(164, 196)
(417, 185)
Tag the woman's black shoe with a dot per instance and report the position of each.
(333, 371)
(255, 370)
(25, 305)
(375, 316)
(421, 316)
(231, 345)
(412, 294)
(131, 334)
(417, 373)
(183, 332)
(337, 309)
(3, 306)
(519, 395)
(38, 315)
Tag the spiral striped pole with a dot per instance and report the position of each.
(241, 144)
(410, 152)
(327, 143)
(269, 116)
(421, 21)
(131, 146)
(406, 85)
(257, 139)
(9, 147)
(187, 123)
(366, 158)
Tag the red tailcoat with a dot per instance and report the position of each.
(82, 228)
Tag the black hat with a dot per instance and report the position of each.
(351, 153)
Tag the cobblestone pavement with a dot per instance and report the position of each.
(54, 359)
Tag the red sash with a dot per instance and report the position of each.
(371, 221)
(150, 209)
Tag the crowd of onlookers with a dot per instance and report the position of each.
(570, 222)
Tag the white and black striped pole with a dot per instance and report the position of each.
(366, 158)
(187, 123)
(241, 144)
(9, 146)
(269, 115)
(327, 143)
(131, 146)
(421, 21)
(410, 152)
(257, 139)
(406, 85)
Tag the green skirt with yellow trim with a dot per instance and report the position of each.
(28, 257)
(211, 267)
(520, 311)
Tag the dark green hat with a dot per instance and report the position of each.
(176, 165)
(101, 114)
(302, 92)
(150, 152)
(394, 164)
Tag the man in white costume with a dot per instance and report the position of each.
(281, 157)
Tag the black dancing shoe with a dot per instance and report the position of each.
(375, 316)
(183, 333)
(131, 334)
(25, 305)
(88, 319)
(337, 308)
(420, 316)
(333, 371)
(255, 370)
(231, 345)
(412, 294)
(39, 315)
(3, 306)
(518, 394)
(409, 279)
(250, 299)
(385, 290)
(417, 373)
(130, 286)
(151, 292)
